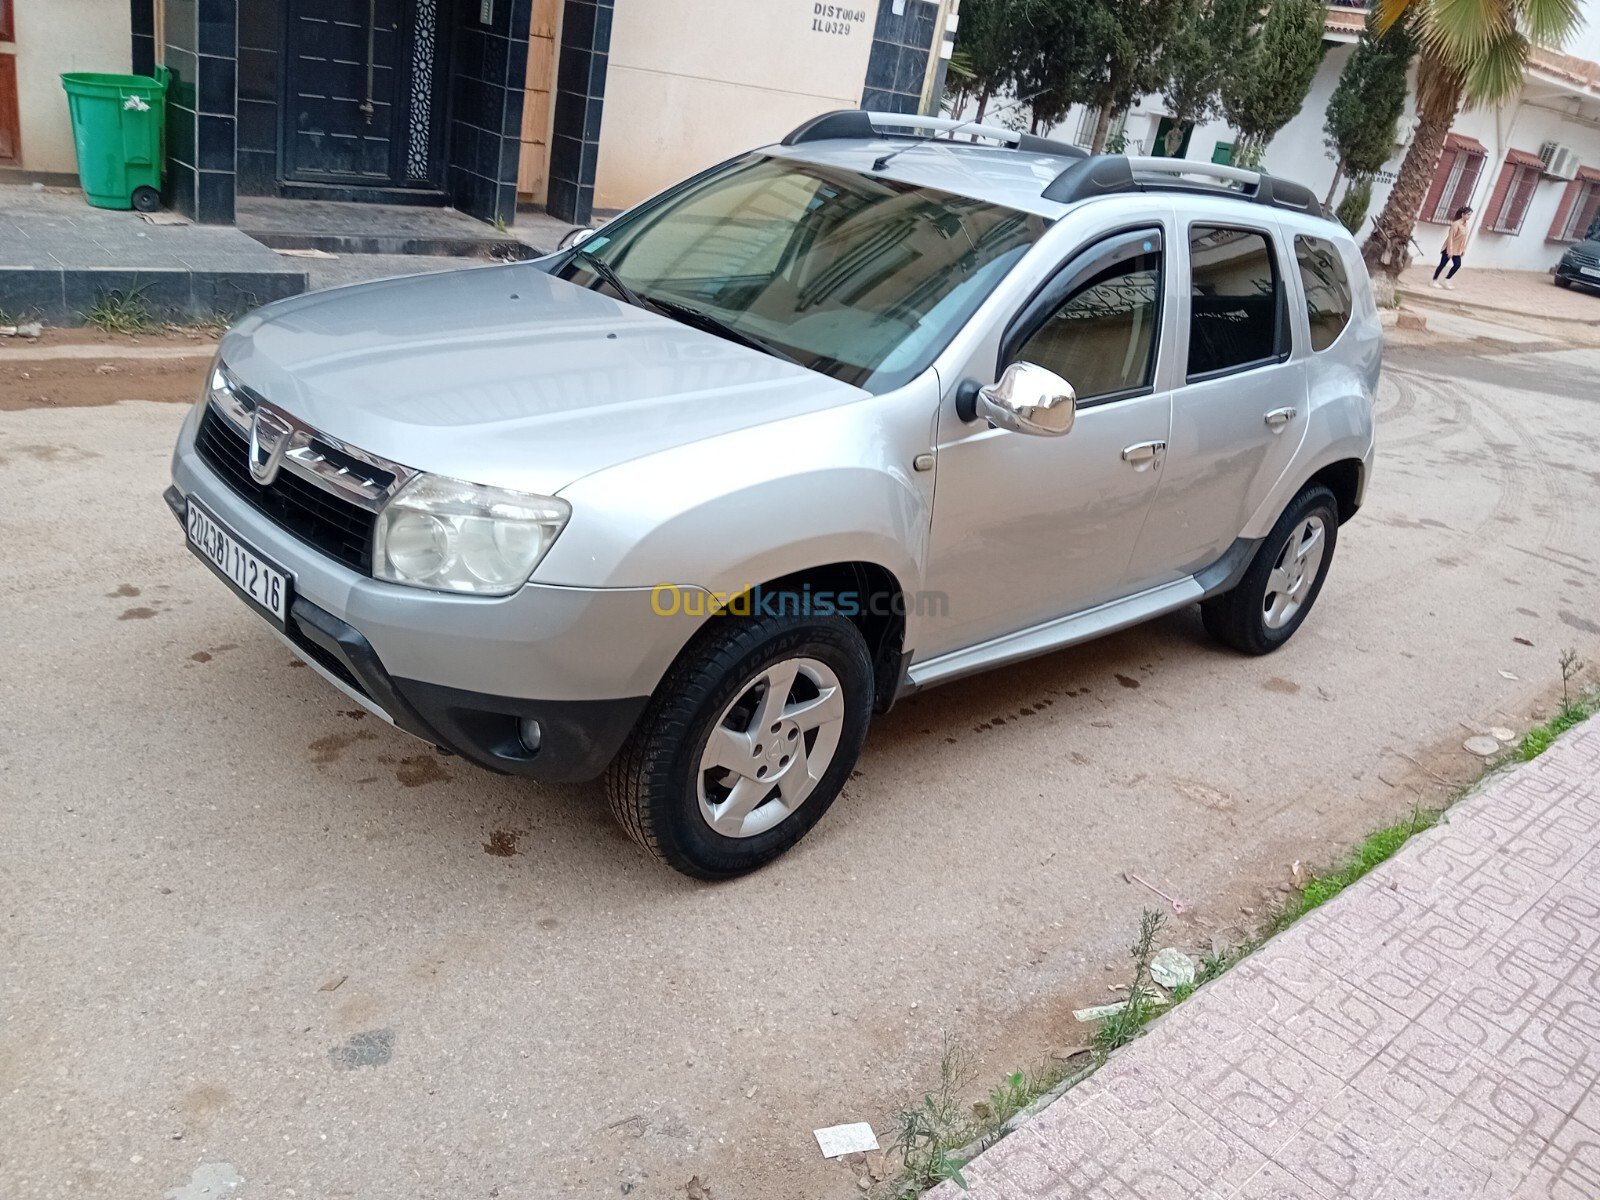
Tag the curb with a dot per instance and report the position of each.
(80, 352)
(1466, 308)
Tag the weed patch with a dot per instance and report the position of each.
(112, 313)
(1122, 1026)
(928, 1132)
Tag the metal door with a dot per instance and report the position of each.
(1235, 427)
(1027, 529)
(362, 93)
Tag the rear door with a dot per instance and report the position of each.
(1239, 417)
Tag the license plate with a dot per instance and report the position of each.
(1595, 271)
(251, 575)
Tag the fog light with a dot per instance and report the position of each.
(532, 735)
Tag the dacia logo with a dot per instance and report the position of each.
(269, 438)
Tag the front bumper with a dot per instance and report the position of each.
(464, 672)
(1566, 270)
(577, 738)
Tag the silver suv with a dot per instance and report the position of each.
(892, 402)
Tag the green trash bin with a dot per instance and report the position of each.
(118, 126)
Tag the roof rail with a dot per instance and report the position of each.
(1108, 173)
(861, 125)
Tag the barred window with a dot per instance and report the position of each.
(1513, 193)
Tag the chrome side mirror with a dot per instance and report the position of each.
(1029, 399)
(574, 237)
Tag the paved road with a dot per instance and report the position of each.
(199, 840)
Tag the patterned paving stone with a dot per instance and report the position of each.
(1432, 1032)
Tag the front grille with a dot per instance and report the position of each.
(1582, 258)
(341, 530)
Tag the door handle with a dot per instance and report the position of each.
(1279, 417)
(1144, 453)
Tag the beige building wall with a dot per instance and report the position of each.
(55, 36)
(691, 82)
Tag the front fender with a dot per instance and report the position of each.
(736, 510)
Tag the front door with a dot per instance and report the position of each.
(362, 102)
(1028, 528)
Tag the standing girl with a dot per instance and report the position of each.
(1455, 244)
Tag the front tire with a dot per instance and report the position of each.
(1262, 612)
(745, 744)
(1563, 281)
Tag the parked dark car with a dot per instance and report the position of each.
(1580, 264)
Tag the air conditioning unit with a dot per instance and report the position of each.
(1560, 162)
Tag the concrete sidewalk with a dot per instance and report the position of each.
(59, 257)
(1434, 1031)
(1502, 293)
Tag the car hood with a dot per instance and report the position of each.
(509, 376)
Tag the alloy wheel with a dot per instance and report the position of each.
(1295, 574)
(769, 748)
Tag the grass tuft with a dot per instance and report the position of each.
(928, 1131)
(127, 314)
(937, 1135)
(1122, 1026)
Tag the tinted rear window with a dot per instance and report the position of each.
(1327, 289)
(1235, 297)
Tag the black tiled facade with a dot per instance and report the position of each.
(202, 53)
(229, 60)
(143, 13)
(484, 136)
(899, 59)
(579, 100)
(260, 41)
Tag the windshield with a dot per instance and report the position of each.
(860, 278)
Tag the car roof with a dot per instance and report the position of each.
(998, 174)
(1032, 174)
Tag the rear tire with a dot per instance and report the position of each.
(1264, 609)
(787, 756)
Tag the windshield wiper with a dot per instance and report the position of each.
(609, 276)
(700, 319)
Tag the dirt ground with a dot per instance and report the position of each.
(247, 925)
(112, 367)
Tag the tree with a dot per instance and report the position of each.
(1206, 37)
(987, 38)
(1264, 87)
(1127, 41)
(1352, 210)
(1364, 113)
(1469, 54)
(1055, 56)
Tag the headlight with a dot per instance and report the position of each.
(453, 536)
(223, 390)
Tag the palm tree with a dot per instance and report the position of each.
(1471, 54)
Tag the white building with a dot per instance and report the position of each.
(1530, 168)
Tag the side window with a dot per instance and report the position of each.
(1327, 289)
(1236, 301)
(1096, 324)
